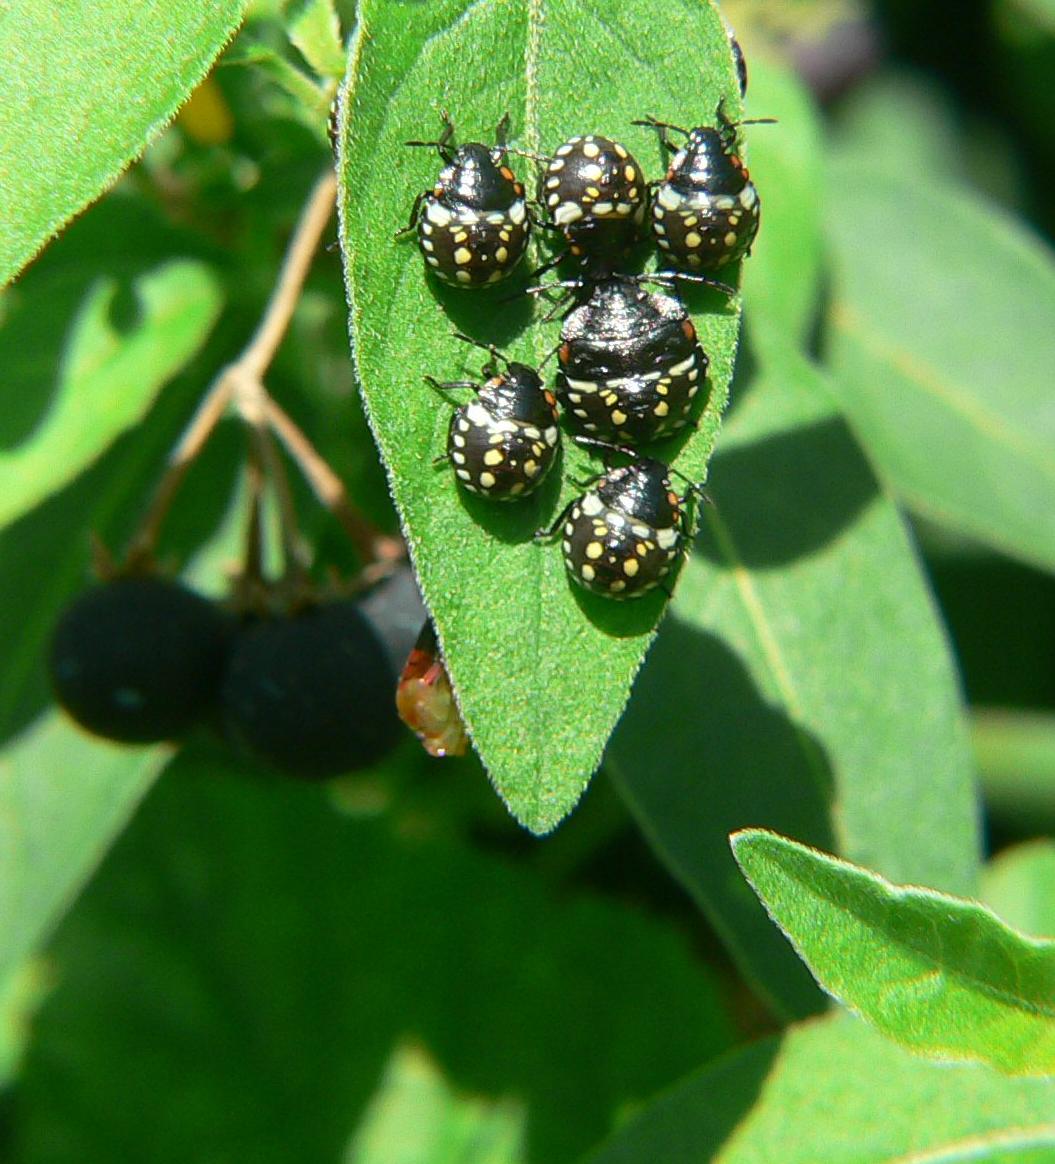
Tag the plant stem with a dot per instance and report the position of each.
(317, 212)
(371, 544)
(241, 383)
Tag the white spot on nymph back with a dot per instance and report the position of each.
(437, 213)
(567, 213)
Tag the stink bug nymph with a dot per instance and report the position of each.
(595, 193)
(630, 362)
(624, 534)
(705, 213)
(473, 224)
(502, 444)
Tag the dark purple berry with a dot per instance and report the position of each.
(139, 659)
(311, 694)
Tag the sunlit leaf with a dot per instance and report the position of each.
(541, 671)
(84, 87)
(941, 975)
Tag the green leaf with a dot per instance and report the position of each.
(259, 956)
(63, 797)
(1019, 885)
(1016, 763)
(835, 1092)
(939, 346)
(21, 992)
(109, 376)
(541, 672)
(82, 91)
(939, 974)
(814, 687)
(782, 277)
(416, 1118)
(315, 29)
(309, 102)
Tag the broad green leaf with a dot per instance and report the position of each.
(802, 683)
(782, 276)
(939, 346)
(1037, 16)
(82, 91)
(315, 29)
(835, 1092)
(22, 989)
(542, 672)
(63, 797)
(109, 376)
(259, 956)
(942, 975)
(308, 102)
(1019, 885)
(416, 1118)
(903, 121)
(1016, 763)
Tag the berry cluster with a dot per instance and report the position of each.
(308, 692)
(631, 367)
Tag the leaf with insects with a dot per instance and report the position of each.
(542, 670)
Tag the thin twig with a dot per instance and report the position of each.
(190, 444)
(241, 383)
(243, 377)
(371, 544)
(317, 212)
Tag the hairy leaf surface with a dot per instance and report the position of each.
(542, 671)
(84, 86)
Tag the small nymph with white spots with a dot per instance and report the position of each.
(503, 443)
(706, 211)
(595, 193)
(631, 365)
(622, 537)
(473, 225)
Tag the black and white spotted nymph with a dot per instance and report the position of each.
(623, 536)
(706, 211)
(631, 364)
(504, 442)
(594, 192)
(473, 225)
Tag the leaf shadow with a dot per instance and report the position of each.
(493, 315)
(697, 1117)
(701, 752)
(787, 496)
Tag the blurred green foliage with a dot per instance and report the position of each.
(391, 970)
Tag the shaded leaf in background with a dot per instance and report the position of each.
(416, 1118)
(315, 30)
(1019, 886)
(83, 89)
(542, 671)
(21, 992)
(1016, 765)
(109, 375)
(939, 342)
(63, 797)
(813, 688)
(941, 975)
(837, 1092)
(258, 956)
(782, 276)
